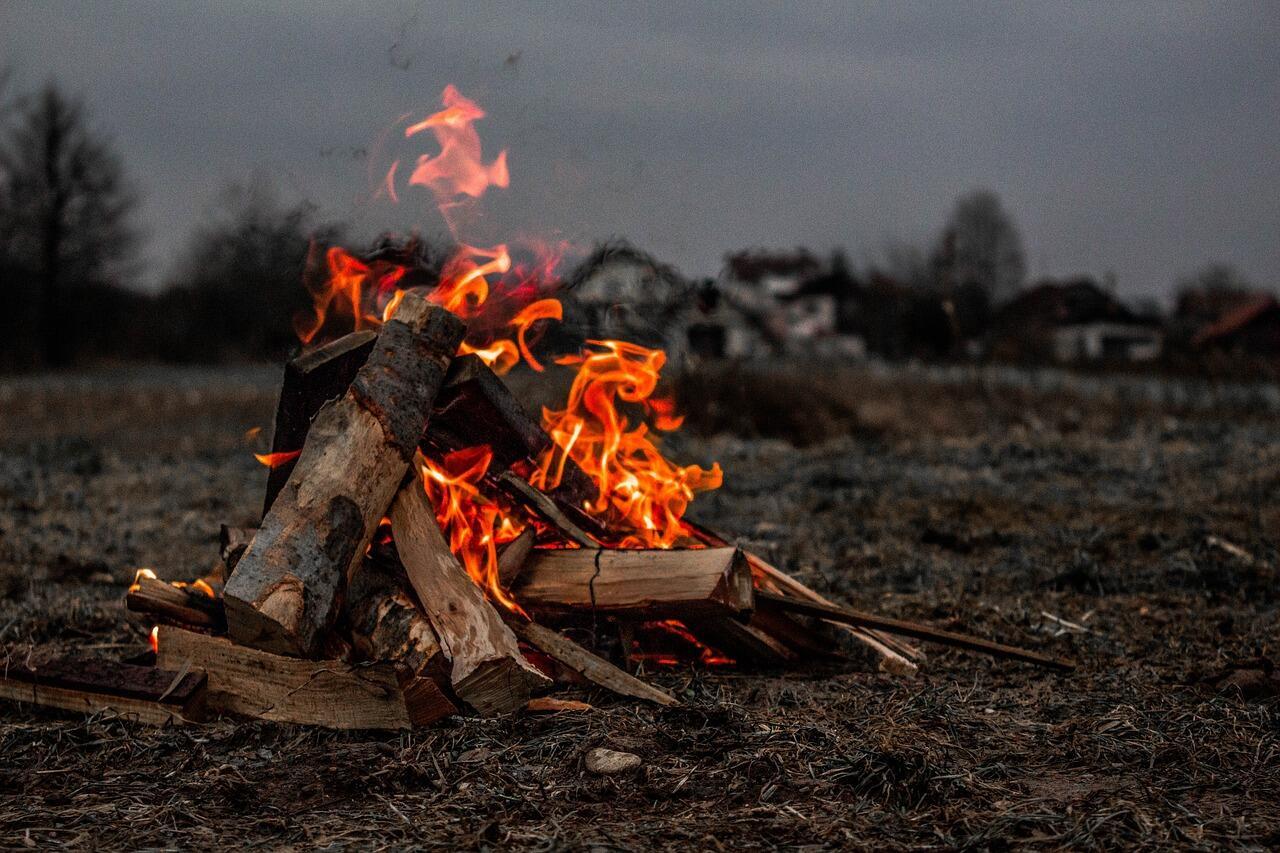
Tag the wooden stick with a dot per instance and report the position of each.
(911, 629)
(636, 584)
(894, 656)
(545, 508)
(253, 683)
(147, 694)
(512, 557)
(283, 595)
(487, 670)
(180, 605)
(595, 669)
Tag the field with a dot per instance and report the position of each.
(1135, 536)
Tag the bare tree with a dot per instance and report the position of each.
(67, 211)
(982, 246)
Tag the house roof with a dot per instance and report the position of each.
(1234, 321)
(1067, 303)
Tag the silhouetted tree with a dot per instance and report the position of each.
(981, 245)
(241, 279)
(65, 213)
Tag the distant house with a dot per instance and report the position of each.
(1251, 330)
(1071, 322)
(622, 292)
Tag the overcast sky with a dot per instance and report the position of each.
(1132, 138)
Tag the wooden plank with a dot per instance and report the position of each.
(849, 616)
(283, 595)
(253, 683)
(512, 557)
(90, 686)
(636, 584)
(311, 380)
(592, 667)
(487, 670)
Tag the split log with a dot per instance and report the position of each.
(385, 625)
(283, 595)
(512, 557)
(636, 584)
(147, 694)
(311, 380)
(253, 683)
(487, 670)
(178, 605)
(849, 616)
(592, 667)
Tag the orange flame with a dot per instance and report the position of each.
(642, 494)
(473, 524)
(275, 460)
(153, 639)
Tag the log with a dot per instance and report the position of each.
(636, 584)
(747, 644)
(512, 557)
(178, 605)
(283, 595)
(849, 616)
(252, 683)
(487, 670)
(311, 380)
(384, 624)
(232, 543)
(592, 667)
(147, 694)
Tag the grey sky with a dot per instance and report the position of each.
(1140, 139)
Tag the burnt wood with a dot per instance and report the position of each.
(311, 380)
(91, 685)
(178, 605)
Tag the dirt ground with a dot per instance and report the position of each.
(1085, 528)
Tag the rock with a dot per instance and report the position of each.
(609, 762)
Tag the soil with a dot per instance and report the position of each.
(1138, 539)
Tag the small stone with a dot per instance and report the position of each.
(608, 762)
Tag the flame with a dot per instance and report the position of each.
(275, 460)
(199, 584)
(641, 493)
(153, 640)
(138, 576)
(473, 524)
(707, 656)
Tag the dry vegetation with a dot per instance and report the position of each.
(1074, 527)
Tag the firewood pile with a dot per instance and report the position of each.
(349, 605)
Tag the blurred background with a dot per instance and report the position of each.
(1083, 186)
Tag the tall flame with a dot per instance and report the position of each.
(640, 490)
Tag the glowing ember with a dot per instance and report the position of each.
(275, 460)
(640, 490)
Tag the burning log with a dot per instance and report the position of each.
(541, 504)
(487, 670)
(311, 380)
(745, 643)
(90, 686)
(595, 669)
(385, 625)
(181, 605)
(283, 595)
(636, 584)
(252, 683)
